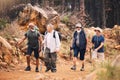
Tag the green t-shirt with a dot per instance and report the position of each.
(33, 38)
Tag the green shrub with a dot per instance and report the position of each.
(65, 19)
(111, 73)
(3, 23)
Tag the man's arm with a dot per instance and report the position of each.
(40, 42)
(40, 39)
(22, 40)
(57, 42)
(101, 45)
(71, 46)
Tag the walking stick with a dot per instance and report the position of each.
(70, 53)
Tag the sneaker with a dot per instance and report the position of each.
(36, 70)
(82, 69)
(53, 70)
(47, 70)
(28, 68)
(73, 68)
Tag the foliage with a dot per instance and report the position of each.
(3, 23)
(65, 19)
(111, 73)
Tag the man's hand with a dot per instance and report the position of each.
(39, 50)
(96, 50)
(71, 48)
(57, 51)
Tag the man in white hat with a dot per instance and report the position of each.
(98, 42)
(34, 39)
(79, 43)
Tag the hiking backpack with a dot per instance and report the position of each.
(59, 34)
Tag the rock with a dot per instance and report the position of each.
(3, 64)
(5, 51)
(4, 43)
(116, 61)
(38, 16)
(113, 33)
(117, 47)
(93, 75)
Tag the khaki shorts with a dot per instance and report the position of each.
(98, 55)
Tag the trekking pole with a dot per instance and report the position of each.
(70, 53)
(16, 52)
(40, 51)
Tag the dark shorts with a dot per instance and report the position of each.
(31, 49)
(81, 51)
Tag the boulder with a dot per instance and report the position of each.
(93, 75)
(113, 33)
(5, 51)
(116, 61)
(39, 16)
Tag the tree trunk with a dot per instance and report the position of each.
(104, 17)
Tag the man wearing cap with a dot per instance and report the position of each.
(79, 43)
(98, 42)
(34, 38)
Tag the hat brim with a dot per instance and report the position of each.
(97, 30)
(78, 27)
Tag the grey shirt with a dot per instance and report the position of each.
(33, 38)
(77, 40)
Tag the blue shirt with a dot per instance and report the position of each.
(97, 40)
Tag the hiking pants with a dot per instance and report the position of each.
(50, 60)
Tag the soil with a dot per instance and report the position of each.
(63, 72)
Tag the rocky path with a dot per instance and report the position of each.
(63, 72)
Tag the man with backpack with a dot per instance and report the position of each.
(79, 43)
(34, 39)
(52, 47)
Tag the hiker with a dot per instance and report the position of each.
(98, 42)
(52, 47)
(34, 39)
(79, 43)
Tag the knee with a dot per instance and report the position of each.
(27, 56)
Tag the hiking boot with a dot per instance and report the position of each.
(82, 69)
(53, 70)
(36, 70)
(73, 68)
(28, 68)
(47, 70)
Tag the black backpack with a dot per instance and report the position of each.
(59, 34)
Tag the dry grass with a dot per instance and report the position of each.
(111, 73)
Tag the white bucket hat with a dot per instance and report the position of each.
(98, 29)
(78, 25)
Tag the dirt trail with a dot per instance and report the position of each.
(63, 72)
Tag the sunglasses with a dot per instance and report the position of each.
(78, 27)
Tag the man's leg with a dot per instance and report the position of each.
(36, 55)
(75, 59)
(29, 52)
(28, 60)
(101, 57)
(53, 62)
(47, 62)
(82, 56)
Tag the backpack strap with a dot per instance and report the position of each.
(54, 34)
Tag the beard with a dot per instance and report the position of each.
(78, 30)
